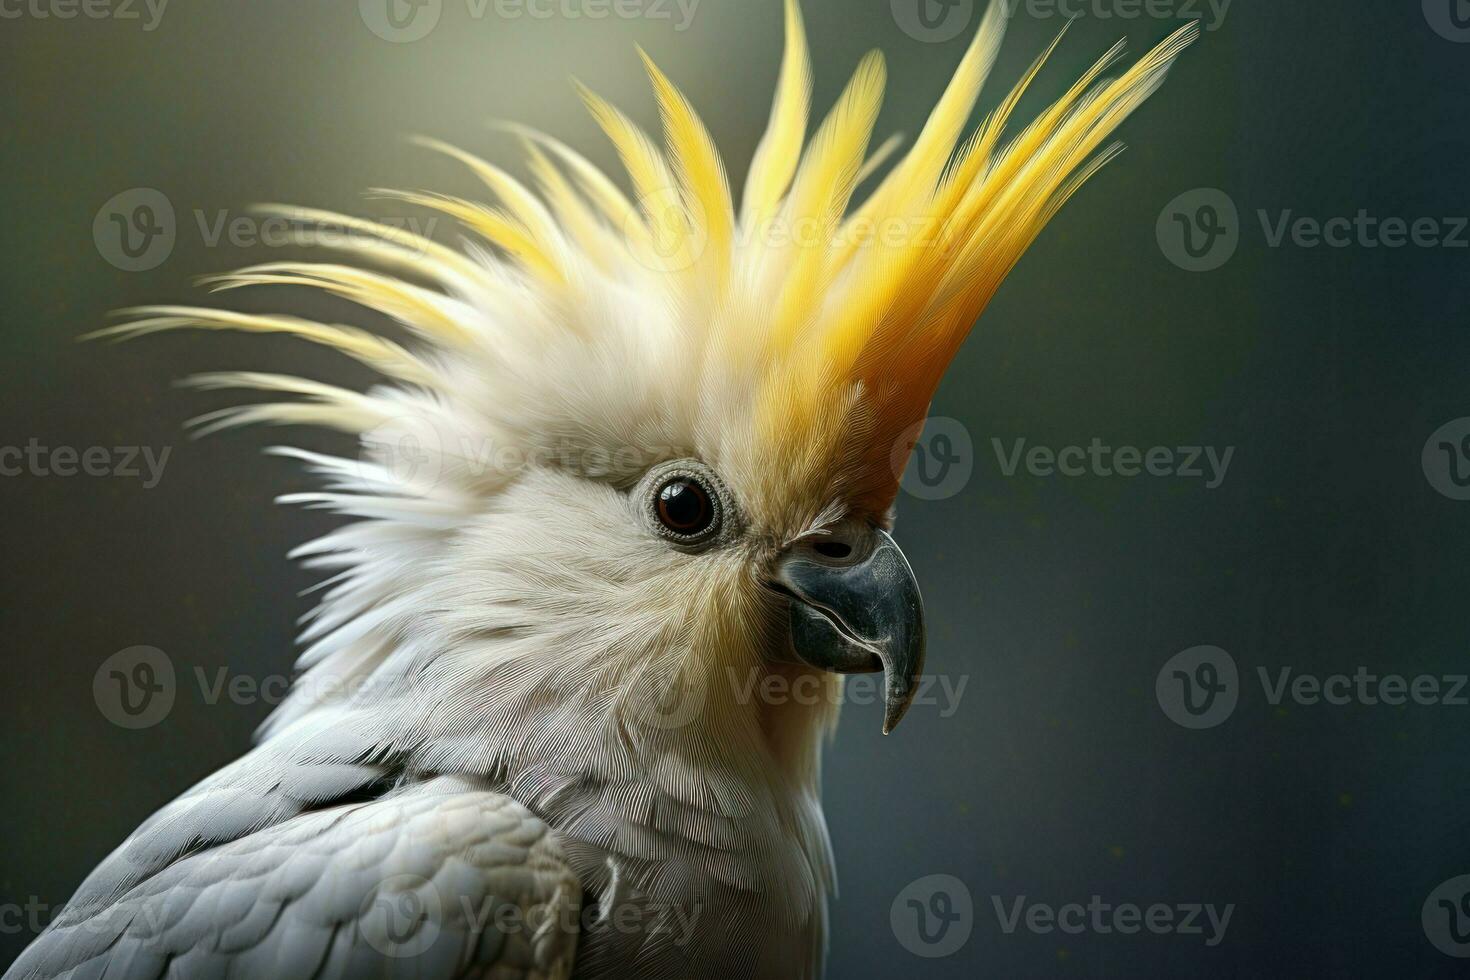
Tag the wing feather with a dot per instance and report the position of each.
(442, 880)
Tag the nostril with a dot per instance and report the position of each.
(832, 549)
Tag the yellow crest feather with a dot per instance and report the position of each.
(792, 344)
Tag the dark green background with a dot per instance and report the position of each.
(1059, 777)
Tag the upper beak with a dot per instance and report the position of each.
(858, 611)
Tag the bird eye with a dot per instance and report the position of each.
(686, 504)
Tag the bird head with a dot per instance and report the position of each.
(632, 437)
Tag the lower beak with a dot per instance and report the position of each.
(855, 608)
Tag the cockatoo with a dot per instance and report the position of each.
(637, 456)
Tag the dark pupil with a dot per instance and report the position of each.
(683, 506)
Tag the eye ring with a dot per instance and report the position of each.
(686, 504)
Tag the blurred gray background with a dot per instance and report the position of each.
(1057, 601)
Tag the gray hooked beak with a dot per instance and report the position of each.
(855, 608)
